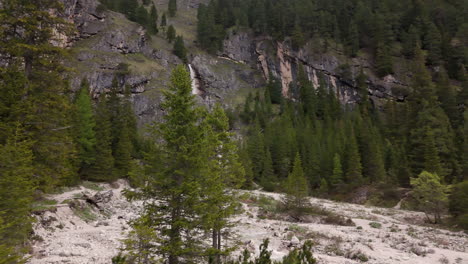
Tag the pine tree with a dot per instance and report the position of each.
(142, 17)
(45, 108)
(171, 33)
(353, 173)
(179, 49)
(337, 176)
(163, 21)
(153, 20)
(383, 60)
(16, 195)
(323, 190)
(122, 156)
(84, 125)
(103, 168)
(353, 39)
(176, 184)
(296, 189)
(275, 90)
(447, 97)
(7, 252)
(172, 8)
(297, 37)
(256, 150)
(431, 155)
(411, 41)
(421, 83)
(113, 103)
(224, 171)
(371, 153)
(129, 8)
(432, 42)
(128, 119)
(268, 177)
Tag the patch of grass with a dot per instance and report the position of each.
(267, 203)
(92, 186)
(85, 213)
(335, 246)
(297, 229)
(411, 232)
(43, 205)
(375, 225)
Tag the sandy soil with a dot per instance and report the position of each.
(66, 237)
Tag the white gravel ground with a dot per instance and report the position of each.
(67, 238)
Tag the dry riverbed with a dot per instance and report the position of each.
(71, 230)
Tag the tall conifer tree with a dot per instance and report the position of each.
(84, 125)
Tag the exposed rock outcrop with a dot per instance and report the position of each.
(336, 70)
(105, 41)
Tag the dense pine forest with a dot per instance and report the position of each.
(187, 166)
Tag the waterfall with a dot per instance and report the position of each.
(195, 81)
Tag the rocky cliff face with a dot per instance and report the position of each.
(106, 45)
(336, 70)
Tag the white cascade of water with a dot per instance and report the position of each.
(195, 81)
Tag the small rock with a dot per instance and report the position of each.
(65, 254)
(83, 245)
(250, 245)
(294, 241)
(101, 223)
(103, 197)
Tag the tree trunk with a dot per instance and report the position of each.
(174, 235)
(215, 246)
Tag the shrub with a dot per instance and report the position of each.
(335, 219)
(431, 195)
(375, 225)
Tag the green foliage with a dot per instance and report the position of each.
(123, 153)
(141, 16)
(153, 20)
(373, 27)
(84, 125)
(33, 68)
(163, 20)
(296, 188)
(175, 168)
(85, 212)
(302, 255)
(17, 188)
(139, 244)
(170, 33)
(274, 87)
(179, 49)
(7, 252)
(209, 35)
(353, 173)
(172, 8)
(337, 176)
(458, 204)
(223, 171)
(431, 195)
(103, 169)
